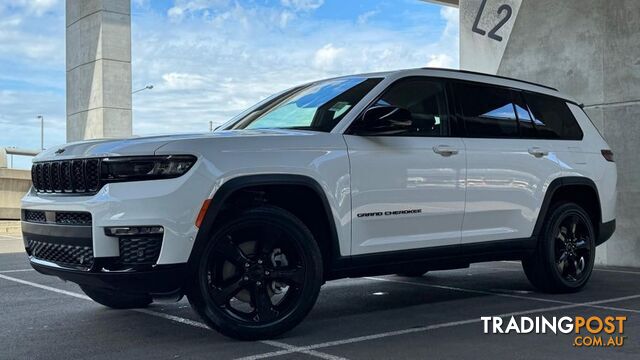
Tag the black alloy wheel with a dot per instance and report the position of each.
(572, 247)
(565, 255)
(259, 276)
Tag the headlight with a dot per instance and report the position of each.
(145, 168)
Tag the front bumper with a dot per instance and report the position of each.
(164, 280)
(66, 251)
(172, 204)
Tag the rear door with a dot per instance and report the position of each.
(507, 171)
(556, 126)
(408, 186)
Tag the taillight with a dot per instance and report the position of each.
(608, 155)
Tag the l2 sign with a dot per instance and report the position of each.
(485, 29)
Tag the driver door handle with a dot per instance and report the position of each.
(538, 152)
(445, 150)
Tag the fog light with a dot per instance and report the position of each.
(133, 230)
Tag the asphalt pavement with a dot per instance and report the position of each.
(437, 316)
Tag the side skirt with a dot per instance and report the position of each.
(435, 258)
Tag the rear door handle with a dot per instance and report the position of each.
(538, 152)
(445, 150)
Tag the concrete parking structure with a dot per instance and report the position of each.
(367, 318)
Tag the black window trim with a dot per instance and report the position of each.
(461, 124)
(450, 114)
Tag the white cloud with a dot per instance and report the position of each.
(326, 56)
(32, 36)
(441, 61)
(302, 5)
(365, 17)
(182, 8)
(22, 35)
(182, 81)
(285, 18)
(215, 59)
(212, 67)
(32, 7)
(452, 17)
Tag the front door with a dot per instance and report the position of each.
(408, 184)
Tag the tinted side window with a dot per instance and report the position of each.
(425, 99)
(553, 118)
(488, 112)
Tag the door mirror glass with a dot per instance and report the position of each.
(384, 120)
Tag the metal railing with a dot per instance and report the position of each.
(4, 151)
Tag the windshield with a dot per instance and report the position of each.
(319, 106)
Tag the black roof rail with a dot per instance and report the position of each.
(493, 76)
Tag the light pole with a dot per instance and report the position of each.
(148, 87)
(41, 131)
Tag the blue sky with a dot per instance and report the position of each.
(209, 59)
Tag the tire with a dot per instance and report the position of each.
(116, 299)
(258, 276)
(564, 258)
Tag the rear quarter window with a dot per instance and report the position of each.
(552, 118)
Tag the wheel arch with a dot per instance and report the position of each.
(236, 185)
(580, 190)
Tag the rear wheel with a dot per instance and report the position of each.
(564, 259)
(117, 299)
(259, 276)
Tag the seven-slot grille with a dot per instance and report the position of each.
(67, 176)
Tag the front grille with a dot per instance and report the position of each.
(35, 216)
(62, 254)
(57, 217)
(140, 251)
(67, 176)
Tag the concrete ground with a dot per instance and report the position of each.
(389, 317)
(10, 242)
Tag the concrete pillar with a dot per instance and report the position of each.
(589, 49)
(98, 69)
(3, 158)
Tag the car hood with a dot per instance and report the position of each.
(147, 145)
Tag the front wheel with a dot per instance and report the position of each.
(564, 258)
(259, 275)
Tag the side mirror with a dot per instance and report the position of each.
(384, 120)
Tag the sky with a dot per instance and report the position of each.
(210, 59)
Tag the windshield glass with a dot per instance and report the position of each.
(319, 106)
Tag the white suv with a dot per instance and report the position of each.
(399, 172)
